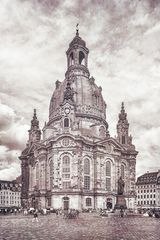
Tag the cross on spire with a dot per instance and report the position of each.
(34, 121)
(34, 114)
(122, 115)
(77, 29)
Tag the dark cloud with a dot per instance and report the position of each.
(50, 3)
(154, 3)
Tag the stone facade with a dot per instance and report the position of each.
(76, 164)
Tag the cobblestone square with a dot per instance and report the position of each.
(86, 227)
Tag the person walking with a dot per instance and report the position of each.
(35, 216)
(121, 213)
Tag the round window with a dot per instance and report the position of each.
(65, 142)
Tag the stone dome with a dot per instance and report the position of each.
(87, 96)
(77, 40)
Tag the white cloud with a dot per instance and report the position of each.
(10, 172)
(123, 39)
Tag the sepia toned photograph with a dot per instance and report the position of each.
(79, 119)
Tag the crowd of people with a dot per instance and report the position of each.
(70, 213)
(74, 213)
(6, 211)
(150, 212)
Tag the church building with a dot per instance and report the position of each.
(73, 162)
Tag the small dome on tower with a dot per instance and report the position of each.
(77, 40)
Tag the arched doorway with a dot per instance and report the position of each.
(109, 203)
(65, 203)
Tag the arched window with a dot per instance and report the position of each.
(71, 59)
(108, 169)
(87, 166)
(81, 58)
(102, 131)
(86, 174)
(108, 176)
(123, 171)
(88, 202)
(66, 122)
(66, 172)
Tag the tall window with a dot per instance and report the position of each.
(86, 174)
(122, 171)
(66, 122)
(71, 59)
(108, 176)
(81, 58)
(66, 172)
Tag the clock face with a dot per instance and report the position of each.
(67, 110)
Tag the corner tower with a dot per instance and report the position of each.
(123, 127)
(34, 132)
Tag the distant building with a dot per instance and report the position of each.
(76, 164)
(10, 194)
(148, 190)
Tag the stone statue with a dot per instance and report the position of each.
(120, 186)
(68, 94)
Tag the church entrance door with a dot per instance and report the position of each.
(109, 203)
(66, 203)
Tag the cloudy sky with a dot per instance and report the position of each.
(124, 41)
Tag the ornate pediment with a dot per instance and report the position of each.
(30, 149)
(65, 141)
(111, 145)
